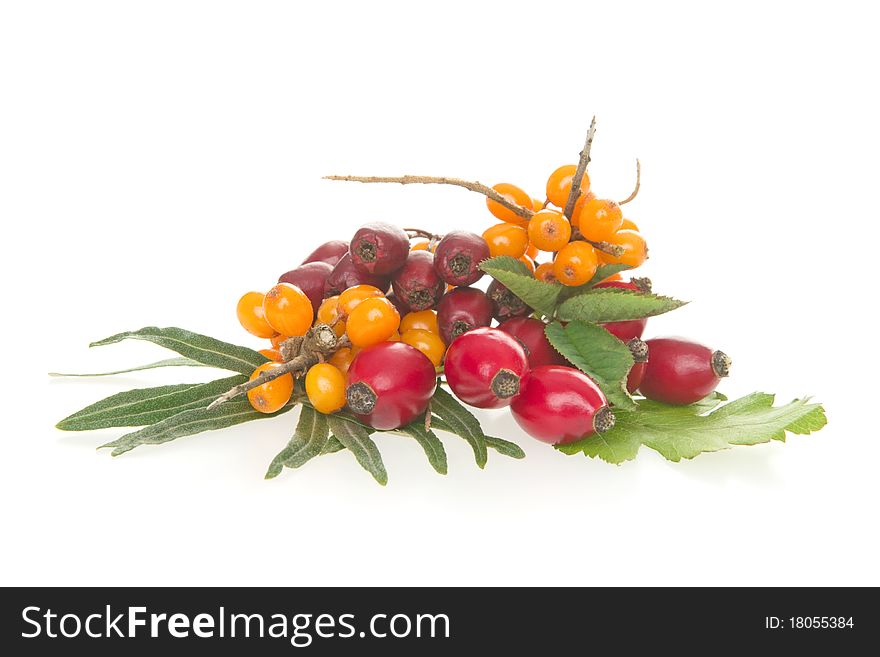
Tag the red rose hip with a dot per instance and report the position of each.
(559, 405)
(682, 372)
(529, 332)
(330, 252)
(458, 256)
(390, 385)
(310, 278)
(379, 248)
(346, 275)
(484, 367)
(463, 309)
(633, 328)
(417, 283)
(640, 354)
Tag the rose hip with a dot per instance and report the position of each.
(417, 283)
(505, 304)
(559, 405)
(484, 367)
(346, 275)
(628, 329)
(463, 309)
(379, 248)
(458, 256)
(682, 372)
(529, 332)
(329, 252)
(390, 385)
(310, 278)
(640, 353)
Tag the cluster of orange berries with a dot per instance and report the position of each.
(575, 258)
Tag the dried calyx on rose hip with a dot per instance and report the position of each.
(461, 310)
(379, 248)
(458, 256)
(682, 372)
(640, 353)
(485, 367)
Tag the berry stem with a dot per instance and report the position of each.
(420, 232)
(635, 191)
(474, 186)
(581, 170)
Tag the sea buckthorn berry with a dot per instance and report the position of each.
(505, 304)
(328, 313)
(614, 278)
(627, 329)
(272, 354)
(559, 184)
(425, 320)
(578, 205)
(463, 309)
(529, 263)
(325, 387)
(288, 310)
(342, 357)
(346, 275)
(276, 340)
(635, 251)
(353, 296)
(682, 372)
(513, 194)
(559, 405)
(330, 252)
(417, 283)
(458, 257)
(310, 278)
(274, 394)
(537, 204)
(484, 367)
(394, 337)
(507, 240)
(379, 248)
(598, 219)
(640, 353)
(544, 272)
(374, 320)
(252, 317)
(549, 230)
(532, 251)
(529, 332)
(575, 264)
(390, 384)
(628, 225)
(427, 342)
(423, 246)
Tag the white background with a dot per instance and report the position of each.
(159, 159)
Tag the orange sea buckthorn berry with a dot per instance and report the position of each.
(559, 184)
(532, 251)
(352, 297)
(423, 246)
(544, 272)
(628, 225)
(537, 204)
(423, 319)
(428, 343)
(506, 239)
(288, 310)
(598, 219)
(277, 340)
(579, 204)
(613, 277)
(372, 321)
(635, 250)
(325, 387)
(252, 317)
(273, 395)
(549, 230)
(342, 357)
(272, 354)
(328, 313)
(528, 262)
(575, 263)
(395, 337)
(513, 194)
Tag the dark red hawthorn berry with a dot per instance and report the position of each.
(417, 283)
(398, 303)
(682, 372)
(346, 275)
(379, 248)
(559, 405)
(329, 252)
(529, 332)
(458, 257)
(461, 310)
(310, 278)
(390, 385)
(505, 304)
(633, 328)
(484, 367)
(640, 354)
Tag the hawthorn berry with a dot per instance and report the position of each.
(390, 385)
(379, 248)
(529, 332)
(372, 321)
(505, 304)
(513, 194)
(325, 387)
(251, 315)
(346, 275)
(310, 278)
(417, 283)
(484, 367)
(330, 252)
(272, 395)
(458, 257)
(461, 310)
(682, 372)
(640, 353)
(288, 310)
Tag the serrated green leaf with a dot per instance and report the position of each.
(144, 406)
(516, 277)
(201, 348)
(683, 432)
(430, 443)
(593, 350)
(603, 272)
(461, 422)
(308, 441)
(191, 422)
(356, 439)
(614, 305)
(503, 447)
(168, 362)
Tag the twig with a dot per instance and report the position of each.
(419, 232)
(428, 417)
(611, 249)
(478, 187)
(581, 170)
(635, 192)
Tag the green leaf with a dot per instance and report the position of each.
(683, 432)
(356, 438)
(430, 443)
(201, 348)
(614, 305)
(168, 362)
(308, 441)
(192, 422)
(516, 277)
(503, 447)
(143, 406)
(461, 422)
(593, 350)
(603, 272)
(332, 446)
